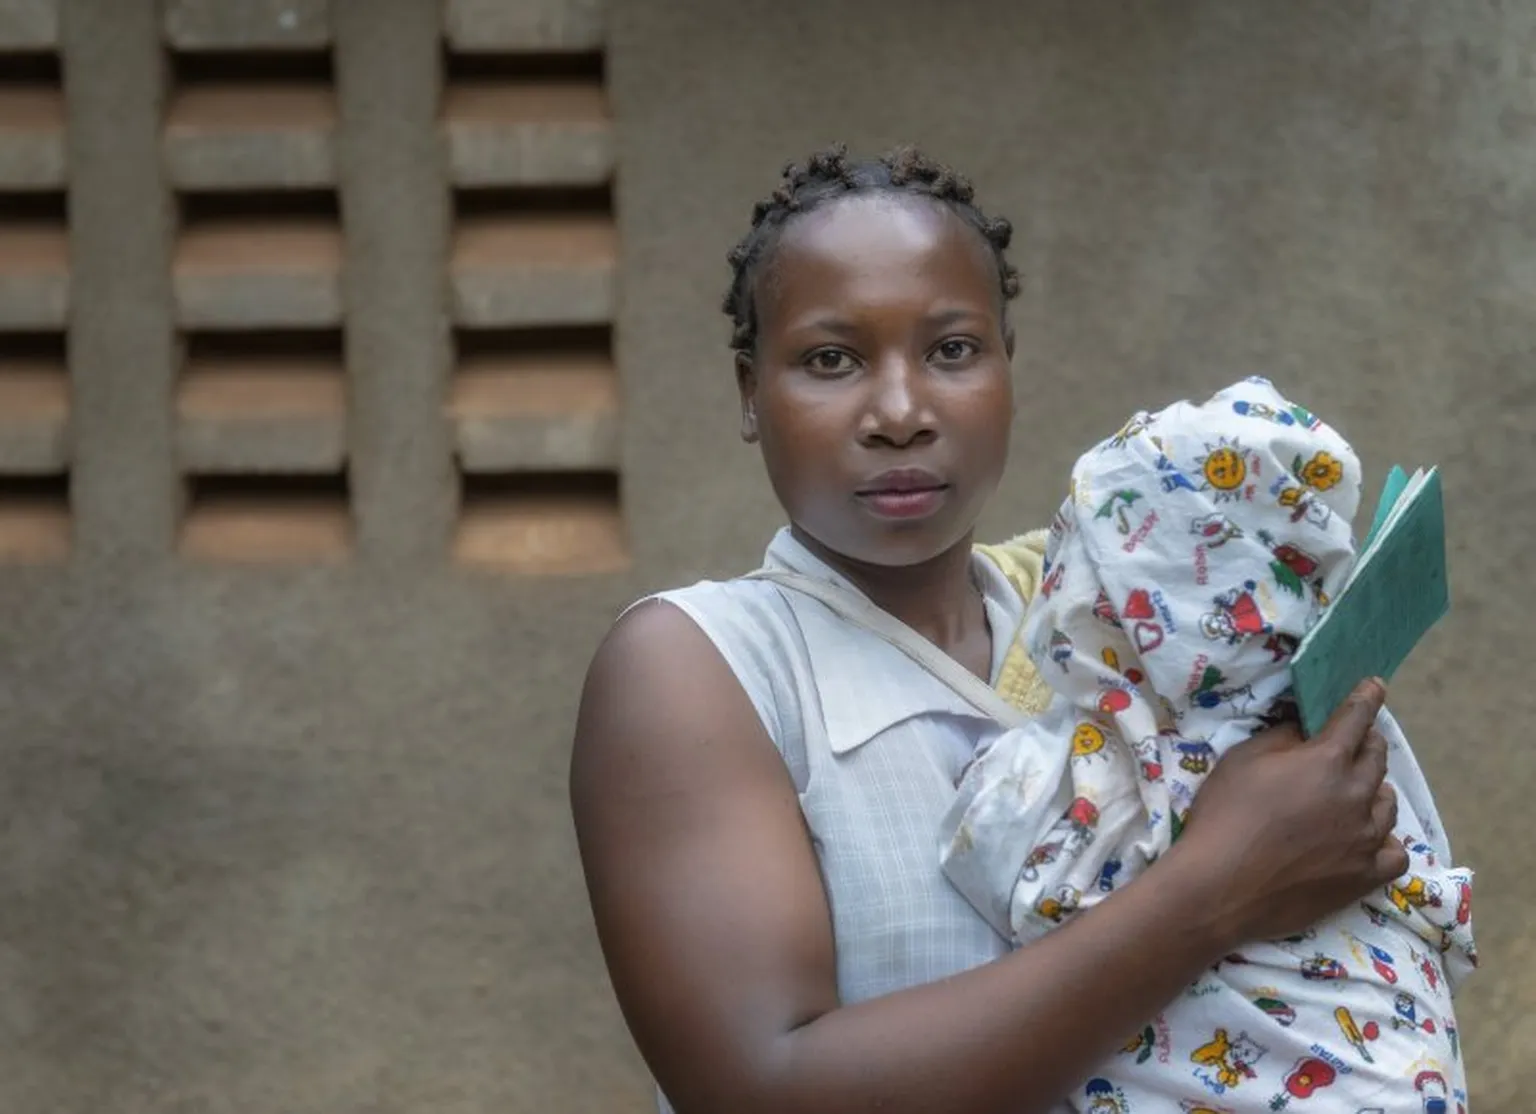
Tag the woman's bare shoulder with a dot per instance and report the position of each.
(682, 804)
(656, 642)
(669, 672)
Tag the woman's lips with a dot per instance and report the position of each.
(907, 503)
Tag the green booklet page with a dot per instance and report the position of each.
(1397, 592)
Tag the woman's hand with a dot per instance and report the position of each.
(1290, 830)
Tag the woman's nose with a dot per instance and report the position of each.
(898, 410)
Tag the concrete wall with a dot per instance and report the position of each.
(309, 316)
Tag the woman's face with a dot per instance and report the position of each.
(880, 389)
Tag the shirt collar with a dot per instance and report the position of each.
(855, 705)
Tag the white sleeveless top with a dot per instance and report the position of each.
(874, 744)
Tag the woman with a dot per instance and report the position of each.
(758, 779)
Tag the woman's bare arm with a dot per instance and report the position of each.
(718, 939)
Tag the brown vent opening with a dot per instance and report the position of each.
(529, 257)
(34, 519)
(546, 201)
(247, 206)
(535, 400)
(584, 66)
(267, 402)
(248, 121)
(34, 260)
(277, 346)
(567, 227)
(527, 120)
(227, 67)
(40, 208)
(267, 519)
(259, 260)
(34, 404)
(33, 348)
(32, 118)
(31, 68)
(543, 524)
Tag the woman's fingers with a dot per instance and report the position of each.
(1371, 758)
(1349, 727)
(1384, 812)
(1391, 857)
(1391, 860)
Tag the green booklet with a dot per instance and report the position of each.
(1396, 592)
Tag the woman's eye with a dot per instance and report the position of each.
(830, 361)
(953, 351)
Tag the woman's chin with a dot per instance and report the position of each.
(891, 543)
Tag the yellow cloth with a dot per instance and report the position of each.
(1021, 560)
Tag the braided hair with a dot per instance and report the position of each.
(829, 174)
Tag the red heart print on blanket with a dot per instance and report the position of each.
(1138, 605)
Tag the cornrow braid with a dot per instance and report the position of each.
(829, 174)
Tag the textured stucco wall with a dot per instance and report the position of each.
(296, 839)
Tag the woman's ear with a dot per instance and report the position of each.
(746, 386)
(1008, 346)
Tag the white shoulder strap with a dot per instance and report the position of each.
(859, 611)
